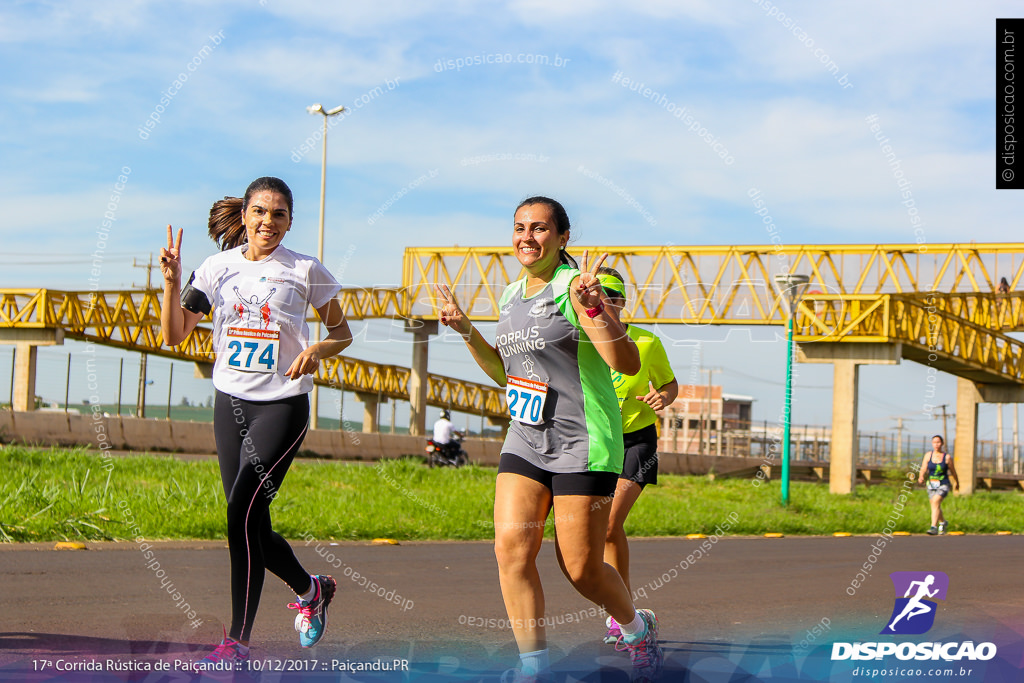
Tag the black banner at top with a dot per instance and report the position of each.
(1009, 117)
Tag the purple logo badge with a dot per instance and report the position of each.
(914, 611)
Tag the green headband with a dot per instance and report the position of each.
(609, 281)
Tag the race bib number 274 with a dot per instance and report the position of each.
(253, 350)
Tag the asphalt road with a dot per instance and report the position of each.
(747, 604)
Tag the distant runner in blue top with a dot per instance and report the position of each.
(937, 466)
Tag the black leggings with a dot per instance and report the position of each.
(256, 441)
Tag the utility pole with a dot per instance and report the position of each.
(945, 439)
(700, 411)
(700, 424)
(899, 441)
(1016, 442)
(709, 371)
(170, 383)
(149, 270)
(314, 398)
(999, 437)
(120, 377)
(709, 404)
(140, 401)
(700, 427)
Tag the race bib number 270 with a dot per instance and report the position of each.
(525, 398)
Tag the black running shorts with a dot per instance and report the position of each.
(640, 463)
(561, 483)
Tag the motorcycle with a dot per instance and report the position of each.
(446, 455)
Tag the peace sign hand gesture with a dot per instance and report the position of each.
(588, 289)
(170, 258)
(450, 314)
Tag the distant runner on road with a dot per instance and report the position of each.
(938, 473)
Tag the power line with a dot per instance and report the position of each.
(755, 378)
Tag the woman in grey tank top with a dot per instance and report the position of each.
(556, 339)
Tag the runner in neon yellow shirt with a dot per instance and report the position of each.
(653, 388)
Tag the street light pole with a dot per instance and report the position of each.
(314, 408)
(792, 286)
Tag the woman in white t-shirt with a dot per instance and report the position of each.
(258, 292)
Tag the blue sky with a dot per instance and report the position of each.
(84, 77)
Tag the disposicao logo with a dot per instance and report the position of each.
(914, 614)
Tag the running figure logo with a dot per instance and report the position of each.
(255, 313)
(913, 614)
(528, 365)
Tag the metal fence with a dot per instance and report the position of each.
(875, 449)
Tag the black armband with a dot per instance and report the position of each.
(194, 300)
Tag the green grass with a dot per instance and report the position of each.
(697, 505)
(57, 494)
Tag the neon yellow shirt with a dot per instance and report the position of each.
(654, 369)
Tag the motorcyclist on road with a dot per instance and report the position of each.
(445, 435)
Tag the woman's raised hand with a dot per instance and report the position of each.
(170, 258)
(450, 314)
(588, 288)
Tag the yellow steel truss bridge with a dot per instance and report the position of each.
(939, 298)
(131, 320)
(950, 306)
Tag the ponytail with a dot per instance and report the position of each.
(563, 257)
(226, 227)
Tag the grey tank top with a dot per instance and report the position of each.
(539, 339)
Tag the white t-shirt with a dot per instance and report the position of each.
(255, 303)
(443, 431)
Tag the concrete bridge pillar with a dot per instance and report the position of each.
(25, 377)
(964, 442)
(968, 395)
(845, 447)
(847, 359)
(421, 331)
(502, 422)
(370, 409)
(26, 348)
